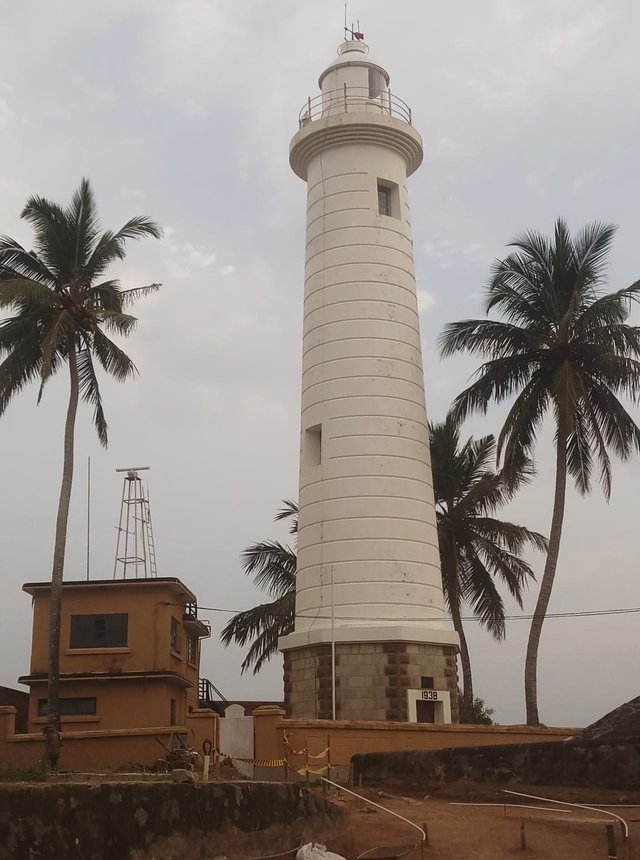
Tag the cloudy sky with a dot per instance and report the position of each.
(183, 110)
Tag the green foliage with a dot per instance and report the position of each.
(60, 303)
(563, 346)
(273, 568)
(476, 548)
(480, 714)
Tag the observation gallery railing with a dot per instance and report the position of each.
(354, 100)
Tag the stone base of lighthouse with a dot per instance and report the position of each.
(374, 680)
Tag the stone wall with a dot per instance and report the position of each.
(561, 763)
(105, 822)
(372, 679)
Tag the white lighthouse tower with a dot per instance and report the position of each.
(371, 640)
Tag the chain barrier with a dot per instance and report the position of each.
(305, 770)
(325, 752)
(264, 762)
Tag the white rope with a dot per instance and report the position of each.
(514, 805)
(423, 835)
(625, 826)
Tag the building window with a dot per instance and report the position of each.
(377, 84)
(80, 707)
(98, 631)
(313, 445)
(172, 713)
(192, 649)
(388, 199)
(174, 641)
(384, 200)
(426, 682)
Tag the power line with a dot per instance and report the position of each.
(584, 614)
(523, 617)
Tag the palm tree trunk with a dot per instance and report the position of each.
(465, 660)
(52, 731)
(531, 661)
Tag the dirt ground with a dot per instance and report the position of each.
(455, 832)
(489, 832)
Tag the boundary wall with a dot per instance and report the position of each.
(110, 749)
(346, 738)
(578, 763)
(282, 748)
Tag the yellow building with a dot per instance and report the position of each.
(129, 670)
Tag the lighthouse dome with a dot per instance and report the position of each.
(354, 67)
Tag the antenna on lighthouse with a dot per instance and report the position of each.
(349, 31)
(135, 548)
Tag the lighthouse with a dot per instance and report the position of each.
(371, 640)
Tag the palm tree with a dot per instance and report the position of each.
(63, 309)
(475, 547)
(564, 347)
(273, 567)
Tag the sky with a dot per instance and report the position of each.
(183, 111)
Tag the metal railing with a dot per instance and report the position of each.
(354, 100)
(208, 692)
(191, 614)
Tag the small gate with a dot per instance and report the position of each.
(236, 738)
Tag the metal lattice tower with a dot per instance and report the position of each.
(135, 550)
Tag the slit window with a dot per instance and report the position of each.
(192, 649)
(313, 446)
(384, 200)
(174, 637)
(377, 84)
(388, 199)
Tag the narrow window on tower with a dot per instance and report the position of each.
(313, 446)
(384, 200)
(174, 636)
(377, 84)
(388, 199)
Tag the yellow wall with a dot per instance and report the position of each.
(346, 738)
(90, 749)
(119, 704)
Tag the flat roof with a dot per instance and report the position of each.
(32, 587)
